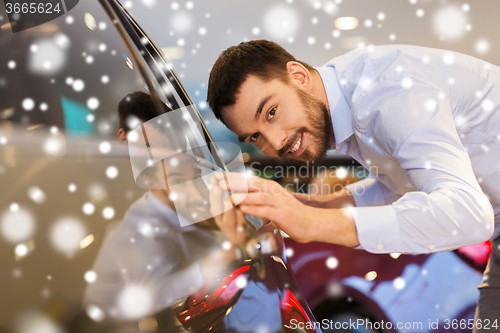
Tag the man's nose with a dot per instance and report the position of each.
(276, 139)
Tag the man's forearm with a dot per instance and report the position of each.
(335, 226)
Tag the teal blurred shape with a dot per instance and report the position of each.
(75, 118)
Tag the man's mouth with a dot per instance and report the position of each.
(199, 209)
(298, 147)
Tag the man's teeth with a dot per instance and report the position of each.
(297, 145)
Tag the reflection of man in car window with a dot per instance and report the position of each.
(133, 109)
(148, 261)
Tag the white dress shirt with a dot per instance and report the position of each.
(426, 124)
(149, 253)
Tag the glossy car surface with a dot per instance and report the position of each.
(411, 292)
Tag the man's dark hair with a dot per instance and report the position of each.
(138, 104)
(262, 58)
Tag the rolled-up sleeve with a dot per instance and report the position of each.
(448, 210)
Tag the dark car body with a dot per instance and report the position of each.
(397, 293)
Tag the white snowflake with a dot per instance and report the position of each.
(105, 147)
(88, 208)
(78, 85)
(332, 262)
(487, 105)
(448, 58)
(90, 276)
(28, 104)
(17, 224)
(36, 194)
(102, 47)
(112, 172)
(281, 21)
(482, 46)
(92, 103)
(450, 22)
(399, 283)
(66, 234)
(108, 213)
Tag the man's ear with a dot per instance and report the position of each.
(122, 135)
(150, 182)
(299, 75)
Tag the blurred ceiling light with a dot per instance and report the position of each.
(90, 21)
(44, 29)
(34, 127)
(350, 43)
(6, 26)
(370, 276)
(6, 113)
(395, 255)
(129, 63)
(86, 241)
(346, 23)
(173, 53)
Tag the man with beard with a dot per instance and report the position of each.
(424, 122)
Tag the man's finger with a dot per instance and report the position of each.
(215, 197)
(238, 182)
(259, 199)
(259, 211)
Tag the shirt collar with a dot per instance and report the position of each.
(340, 110)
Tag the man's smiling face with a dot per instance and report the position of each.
(281, 119)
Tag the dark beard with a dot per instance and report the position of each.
(320, 129)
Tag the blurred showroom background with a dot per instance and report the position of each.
(59, 71)
(66, 77)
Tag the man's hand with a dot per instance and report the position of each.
(232, 221)
(267, 199)
(339, 199)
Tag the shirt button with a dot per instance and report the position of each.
(431, 247)
(380, 247)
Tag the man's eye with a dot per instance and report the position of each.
(271, 114)
(255, 136)
(175, 181)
